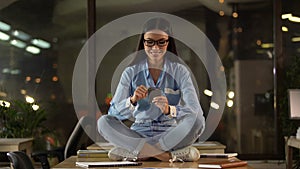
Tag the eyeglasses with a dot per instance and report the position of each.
(160, 43)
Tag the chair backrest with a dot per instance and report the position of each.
(20, 160)
(71, 146)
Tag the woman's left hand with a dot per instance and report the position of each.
(162, 103)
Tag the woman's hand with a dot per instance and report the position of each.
(139, 93)
(162, 103)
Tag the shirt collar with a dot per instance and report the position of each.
(146, 68)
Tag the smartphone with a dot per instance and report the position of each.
(153, 92)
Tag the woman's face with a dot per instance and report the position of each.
(155, 44)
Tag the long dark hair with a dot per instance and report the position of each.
(158, 23)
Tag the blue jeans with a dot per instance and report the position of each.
(184, 134)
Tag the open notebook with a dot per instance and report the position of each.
(107, 164)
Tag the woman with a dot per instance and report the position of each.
(158, 93)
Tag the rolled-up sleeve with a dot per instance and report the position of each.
(189, 102)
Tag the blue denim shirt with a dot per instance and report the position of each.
(175, 83)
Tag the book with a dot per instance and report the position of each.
(217, 155)
(107, 164)
(101, 146)
(228, 164)
(92, 153)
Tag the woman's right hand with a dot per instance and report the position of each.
(139, 93)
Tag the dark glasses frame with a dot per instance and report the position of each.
(160, 42)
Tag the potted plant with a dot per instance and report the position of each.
(23, 120)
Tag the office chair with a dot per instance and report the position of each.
(78, 134)
(72, 145)
(20, 160)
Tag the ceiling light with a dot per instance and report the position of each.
(295, 39)
(5, 70)
(28, 78)
(17, 43)
(230, 94)
(267, 45)
(29, 99)
(23, 91)
(35, 107)
(15, 71)
(214, 105)
(294, 19)
(229, 103)
(286, 16)
(284, 29)
(4, 26)
(3, 36)
(235, 11)
(221, 13)
(41, 43)
(235, 15)
(258, 42)
(21, 35)
(38, 80)
(4, 103)
(208, 92)
(290, 17)
(33, 50)
(54, 78)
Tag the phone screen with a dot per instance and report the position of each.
(153, 92)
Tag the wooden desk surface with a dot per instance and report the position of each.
(70, 163)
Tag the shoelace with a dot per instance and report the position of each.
(130, 159)
(174, 159)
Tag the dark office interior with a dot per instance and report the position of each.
(255, 40)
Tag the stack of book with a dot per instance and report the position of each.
(92, 153)
(218, 155)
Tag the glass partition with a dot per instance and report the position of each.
(244, 40)
(41, 40)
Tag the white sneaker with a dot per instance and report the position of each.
(186, 154)
(119, 154)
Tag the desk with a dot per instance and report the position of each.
(205, 147)
(16, 144)
(291, 143)
(69, 163)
